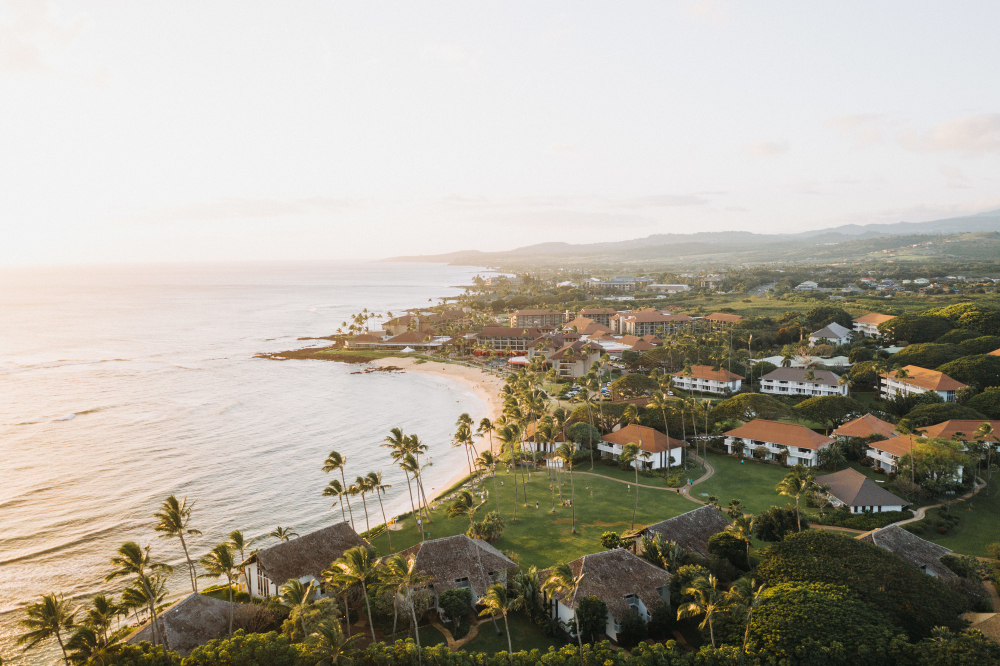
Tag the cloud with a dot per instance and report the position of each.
(767, 148)
(712, 11)
(33, 33)
(233, 209)
(561, 149)
(666, 201)
(866, 129)
(972, 135)
(806, 187)
(955, 178)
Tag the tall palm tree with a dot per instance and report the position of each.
(134, 560)
(336, 489)
(565, 453)
(329, 646)
(564, 583)
(241, 544)
(743, 597)
(173, 517)
(403, 575)
(297, 596)
(498, 600)
(221, 562)
(487, 461)
(415, 447)
(510, 436)
(396, 442)
(742, 529)
(486, 427)
(46, 619)
(410, 466)
(705, 601)
(357, 566)
(140, 594)
(362, 488)
(336, 462)
(101, 615)
(375, 483)
(797, 483)
(660, 400)
(283, 534)
(87, 646)
(985, 434)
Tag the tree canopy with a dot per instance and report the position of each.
(928, 354)
(979, 371)
(749, 406)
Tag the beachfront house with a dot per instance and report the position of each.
(853, 490)
(622, 580)
(523, 318)
(772, 440)
(802, 381)
(867, 325)
(691, 530)
(918, 552)
(459, 562)
(194, 620)
(912, 379)
(864, 427)
(833, 334)
(662, 451)
(535, 442)
(706, 379)
(303, 558)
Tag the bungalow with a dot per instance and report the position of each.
(808, 285)
(800, 443)
(834, 334)
(912, 379)
(622, 580)
(867, 325)
(921, 553)
(574, 360)
(665, 452)
(192, 621)
(303, 559)
(600, 315)
(864, 427)
(706, 379)
(691, 531)
(802, 381)
(887, 452)
(502, 338)
(454, 563)
(522, 318)
(363, 341)
(852, 489)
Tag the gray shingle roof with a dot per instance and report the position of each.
(921, 553)
(190, 622)
(799, 375)
(691, 530)
(855, 489)
(612, 575)
(308, 555)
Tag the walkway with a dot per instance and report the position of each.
(709, 471)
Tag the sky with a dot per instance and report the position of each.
(226, 131)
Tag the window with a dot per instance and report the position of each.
(463, 583)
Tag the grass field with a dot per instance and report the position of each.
(542, 538)
(752, 483)
(978, 527)
(524, 635)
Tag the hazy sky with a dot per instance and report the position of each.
(135, 131)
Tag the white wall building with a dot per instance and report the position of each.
(912, 379)
(834, 334)
(799, 442)
(802, 381)
(867, 325)
(705, 379)
(663, 452)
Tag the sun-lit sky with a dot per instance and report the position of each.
(212, 130)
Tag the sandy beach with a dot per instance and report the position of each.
(487, 387)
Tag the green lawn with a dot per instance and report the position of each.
(429, 635)
(752, 483)
(695, 470)
(524, 635)
(977, 529)
(542, 538)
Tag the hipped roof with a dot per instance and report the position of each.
(648, 439)
(855, 489)
(192, 621)
(924, 378)
(866, 426)
(874, 318)
(309, 555)
(776, 432)
(615, 574)
(967, 427)
(921, 553)
(691, 530)
(708, 373)
(449, 559)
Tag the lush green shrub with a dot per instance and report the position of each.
(969, 648)
(862, 521)
(271, 649)
(633, 629)
(958, 336)
(611, 540)
(987, 402)
(924, 415)
(749, 406)
(489, 529)
(729, 547)
(457, 607)
(143, 654)
(322, 609)
(979, 371)
(592, 614)
(928, 355)
(776, 523)
(662, 619)
(981, 345)
(915, 328)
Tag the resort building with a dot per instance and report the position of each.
(922, 554)
(303, 559)
(705, 379)
(622, 580)
(833, 334)
(691, 531)
(624, 285)
(964, 430)
(663, 452)
(363, 341)
(537, 318)
(669, 288)
(574, 360)
(867, 325)
(798, 442)
(802, 381)
(454, 563)
(653, 322)
(600, 315)
(887, 452)
(853, 490)
(912, 379)
(864, 427)
(720, 320)
(502, 338)
(995, 352)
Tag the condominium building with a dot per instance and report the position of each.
(867, 325)
(705, 379)
(912, 379)
(802, 381)
(801, 444)
(537, 318)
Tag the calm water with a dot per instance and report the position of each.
(120, 386)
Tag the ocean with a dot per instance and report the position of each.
(122, 385)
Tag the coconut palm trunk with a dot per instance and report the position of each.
(378, 494)
(343, 478)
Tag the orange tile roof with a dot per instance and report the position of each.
(642, 345)
(866, 426)
(725, 317)
(874, 318)
(924, 378)
(776, 432)
(897, 446)
(967, 427)
(706, 372)
(995, 352)
(653, 441)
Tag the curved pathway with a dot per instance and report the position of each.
(709, 471)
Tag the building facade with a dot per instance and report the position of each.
(802, 381)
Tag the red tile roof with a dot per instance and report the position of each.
(652, 440)
(866, 426)
(776, 432)
(924, 378)
(725, 318)
(706, 372)
(967, 427)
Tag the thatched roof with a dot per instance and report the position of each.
(450, 559)
(988, 623)
(853, 488)
(308, 555)
(691, 530)
(190, 622)
(921, 553)
(615, 574)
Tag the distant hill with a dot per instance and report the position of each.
(845, 242)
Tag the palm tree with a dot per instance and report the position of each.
(488, 461)
(660, 400)
(133, 560)
(396, 442)
(336, 462)
(565, 453)
(241, 544)
(415, 447)
(797, 483)
(465, 505)
(87, 646)
(361, 487)
(297, 596)
(101, 614)
(510, 437)
(375, 483)
(357, 566)
(562, 582)
(705, 600)
(136, 596)
(985, 434)
(173, 517)
(742, 529)
(221, 562)
(743, 597)
(45, 619)
(486, 427)
(330, 646)
(283, 534)
(336, 489)
(499, 600)
(403, 574)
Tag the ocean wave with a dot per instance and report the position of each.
(62, 545)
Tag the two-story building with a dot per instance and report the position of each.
(706, 379)
(801, 444)
(573, 361)
(887, 452)
(912, 379)
(522, 318)
(663, 452)
(867, 325)
(802, 381)
(653, 322)
(720, 320)
(833, 334)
